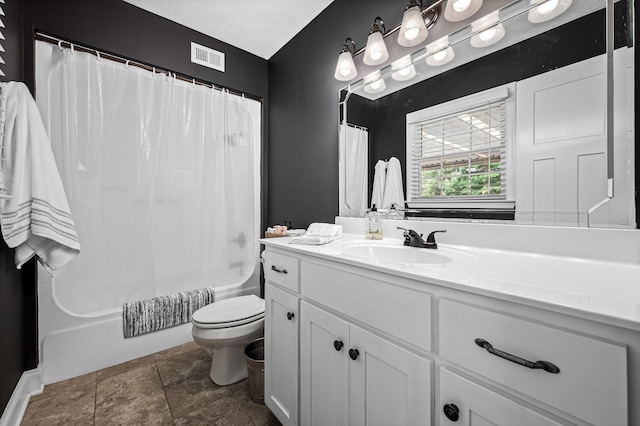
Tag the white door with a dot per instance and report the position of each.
(324, 368)
(389, 385)
(465, 403)
(281, 354)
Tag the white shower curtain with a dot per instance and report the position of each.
(161, 177)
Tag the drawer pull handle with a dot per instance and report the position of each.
(545, 365)
(280, 271)
(353, 354)
(290, 315)
(451, 411)
(337, 344)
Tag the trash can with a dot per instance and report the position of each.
(255, 367)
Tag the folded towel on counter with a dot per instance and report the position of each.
(36, 220)
(319, 233)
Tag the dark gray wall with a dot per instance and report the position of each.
(303, 112)
(18, 310)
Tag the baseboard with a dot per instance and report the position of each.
(30, 383)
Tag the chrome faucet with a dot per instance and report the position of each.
(413, 239)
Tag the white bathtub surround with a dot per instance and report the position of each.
(166, 201)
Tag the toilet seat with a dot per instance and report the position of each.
(230, 312)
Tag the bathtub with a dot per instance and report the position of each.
(74, 344)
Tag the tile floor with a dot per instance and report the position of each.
(171, 387)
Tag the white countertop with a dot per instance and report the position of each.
(602, 290)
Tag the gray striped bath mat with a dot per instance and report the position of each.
(145, 316)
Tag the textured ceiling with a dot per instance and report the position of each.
(260, 27)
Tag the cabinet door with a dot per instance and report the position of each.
(281, 354)
(389, 385)
(465, 403)
(324, 368)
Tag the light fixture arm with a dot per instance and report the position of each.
(349, 46)
(375, 27)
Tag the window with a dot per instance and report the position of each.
(458, 153)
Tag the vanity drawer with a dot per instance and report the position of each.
(281, 269)
(592, 380)
(398, 311)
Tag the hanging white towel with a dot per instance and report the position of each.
(379, 178)
(36, 220)
(393, 193)
(319, 233)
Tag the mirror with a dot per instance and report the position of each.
(560, 137)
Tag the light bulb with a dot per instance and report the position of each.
(547, 10)
(403, 69)
(411, 33)
(547, 7)
(461, 5)
(413, 30)
(439, 56)
(376, 51)
(375, 85)
(344, 71)
(459, 10)
(487, 35)
(404, 72)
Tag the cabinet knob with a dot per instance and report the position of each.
(451, 411)
(353, 354)
(290, 315)
(338, 344)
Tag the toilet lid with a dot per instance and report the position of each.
(229, 311)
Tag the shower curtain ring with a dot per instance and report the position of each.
(60, 45)
(194, 83)
(97, 56)
(126, 64)
(72, 52)
(154, 72)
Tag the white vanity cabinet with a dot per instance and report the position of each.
(349, 373)
(281, 337)
(382, 347)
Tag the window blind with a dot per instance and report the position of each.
(460, 155)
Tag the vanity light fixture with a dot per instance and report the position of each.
(439, 52)
(346, 69)
(547, 10)
(459, 10)
(403, 69)
(376, 51)
(374, 83)
(487, 30)
(413, 29)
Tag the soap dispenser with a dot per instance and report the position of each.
(373, 224)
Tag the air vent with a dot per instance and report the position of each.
(207, 57)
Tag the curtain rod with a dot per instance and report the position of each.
(130, 62)
(356, 126)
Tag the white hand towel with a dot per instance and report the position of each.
(36, 220)
(393, 193)
(379, 178)
(319, 233)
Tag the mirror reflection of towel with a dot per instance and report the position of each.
(379, 179)
(393, 193)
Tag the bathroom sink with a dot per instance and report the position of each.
(395, 253)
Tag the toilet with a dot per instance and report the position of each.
(227, 327)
